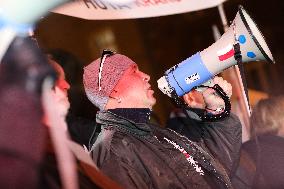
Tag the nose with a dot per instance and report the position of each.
(63, 84)
(67, 85)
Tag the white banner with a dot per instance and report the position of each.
(104, 10)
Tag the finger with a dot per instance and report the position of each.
(218, 80)
(214, 103)
(226, 86)
(208, 92)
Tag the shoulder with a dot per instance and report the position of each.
(229, 121)
(112, 143)
(229, 127)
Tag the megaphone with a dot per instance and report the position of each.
(242, 42)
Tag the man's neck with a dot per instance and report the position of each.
(138, 115)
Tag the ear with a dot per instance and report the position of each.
(114, 93)
(188, 98)
(112, 101)
(194, 99)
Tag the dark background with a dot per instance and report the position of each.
(158, 43)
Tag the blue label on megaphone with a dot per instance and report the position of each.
(188, 74)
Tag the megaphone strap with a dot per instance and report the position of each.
(238, 53)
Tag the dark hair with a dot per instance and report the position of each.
(72, 66)
(25, 65)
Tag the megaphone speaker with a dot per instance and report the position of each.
(242, 42)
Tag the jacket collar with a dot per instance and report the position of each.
(138, 115)
(109, 119)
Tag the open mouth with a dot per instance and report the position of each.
(150, 90)
(148, 87)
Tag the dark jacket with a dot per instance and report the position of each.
(81, 129)
(225, 133)
(261, 164)
(147, 156)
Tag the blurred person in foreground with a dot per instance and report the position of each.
(60, 89)
(138, 154)
(79, 118)
(22, 136)
(56, 106)
(23, 70)
(27, 106)
(262, 157)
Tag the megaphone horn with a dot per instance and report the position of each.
(242, 42)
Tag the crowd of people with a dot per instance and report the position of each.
(124, 149)
(129, 151)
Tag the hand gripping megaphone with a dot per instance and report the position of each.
(242, 42)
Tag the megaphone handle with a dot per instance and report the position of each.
(227, 110)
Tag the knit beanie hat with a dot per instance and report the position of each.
(112, 70)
